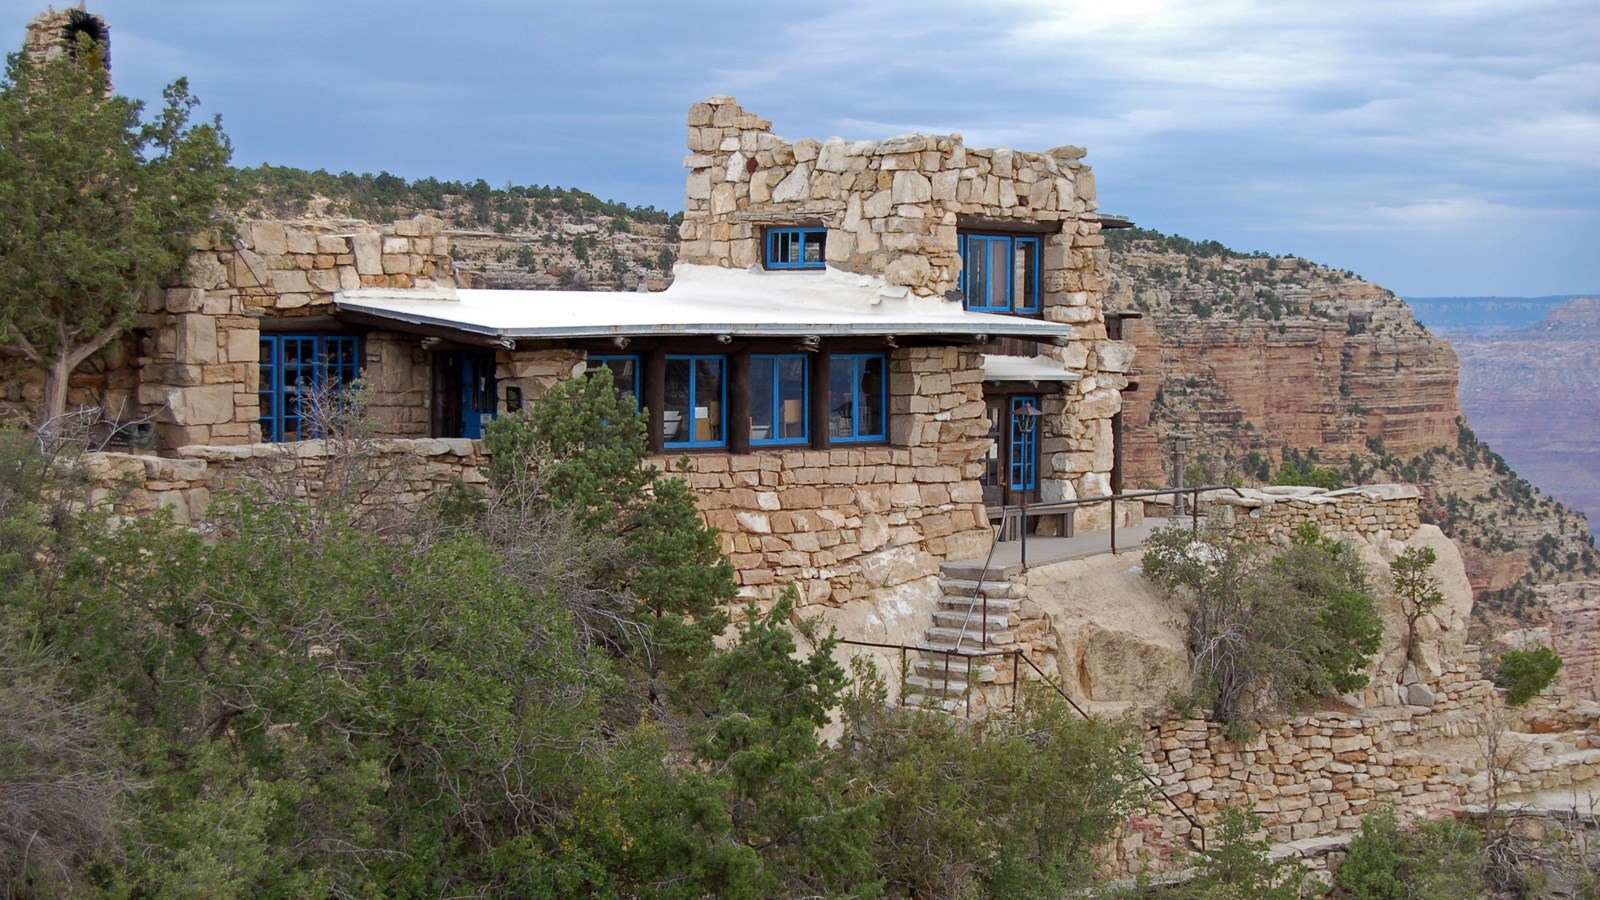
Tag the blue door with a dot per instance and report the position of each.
(1024, 456)
(477, 393)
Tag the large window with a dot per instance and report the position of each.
(694, 413)
(796, 248)
(295, 369)
(624, 372)
(778, 395)
(857, 397)
(1000, 273)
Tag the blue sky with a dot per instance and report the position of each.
(1433, 147)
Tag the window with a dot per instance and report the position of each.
(624, 372)
(293, 366)
(694, 413)
(857, 397)
(1000, 273)
(778, 408)
(797, 248)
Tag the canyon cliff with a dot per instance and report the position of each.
(1260, 360)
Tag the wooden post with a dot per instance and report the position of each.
(655, 396)
(821, 368)
(739, 401)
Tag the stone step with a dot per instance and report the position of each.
(997, 607)
(997, 589)
(933, 665)
(973, 618)
(972, 570)
(935, 703)
(943, 636)
(936, 685)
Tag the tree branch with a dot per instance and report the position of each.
(20, 346)
(104, 337)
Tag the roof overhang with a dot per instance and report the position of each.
(1033, 369)
(703, 301)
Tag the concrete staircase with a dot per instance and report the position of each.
(957, 684)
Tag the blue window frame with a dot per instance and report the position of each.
(1024, 446)
(695, 408)
(858, 397)
(1000, 273)
(292, 367)
(779, 399)
(797, 248)
(624, 372)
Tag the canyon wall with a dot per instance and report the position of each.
(1531, 392)
(1256, 353)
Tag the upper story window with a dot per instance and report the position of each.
(694, 412)
(858, 397)
(778, 395)
(624, 372)
(297, 369)
(1000, 273)
(796, 248)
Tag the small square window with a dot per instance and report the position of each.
(797, 248)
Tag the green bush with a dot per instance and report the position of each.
(1441, 860)
(1524, 673)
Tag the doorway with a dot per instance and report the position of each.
(464, 393)
(1011, 465)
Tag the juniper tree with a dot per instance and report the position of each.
(97, 206)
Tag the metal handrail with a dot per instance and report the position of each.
(1019, 656)
(982, 593)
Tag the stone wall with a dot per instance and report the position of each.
(199, 372)
(894, 208)
(1369, 512)
(403, 473)
(1318, 774)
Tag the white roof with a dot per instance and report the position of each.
(1026, 368)
(703, 300)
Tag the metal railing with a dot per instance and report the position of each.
(1058, 506)
(1018, 657)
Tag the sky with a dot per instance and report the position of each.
(1436, 147)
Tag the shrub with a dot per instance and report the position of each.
(1267, 632)
(1524, 673)
(1442, 859)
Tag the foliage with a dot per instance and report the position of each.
(580, 455)
(97, 206)
(1235, 864)
(1011, 805)
(1524, 673)
(1305, 472)
(1266, 632)
(302, 703)
(1441, 860)
(384, 196)
(1417, 590)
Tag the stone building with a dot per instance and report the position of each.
(867, 348)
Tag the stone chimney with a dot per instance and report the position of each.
(55, 34)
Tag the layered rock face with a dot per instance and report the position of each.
(1546, 376)
(1250, 353)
